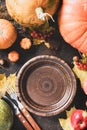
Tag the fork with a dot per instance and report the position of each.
(13, 97)
(18, 113)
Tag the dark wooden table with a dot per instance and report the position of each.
(58, 48)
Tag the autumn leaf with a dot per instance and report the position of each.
(81, 74)
(47, 44)
(65, 123)
(2, 84)
(7, 83)
(41, 41)
(38, 41)
(11, 83)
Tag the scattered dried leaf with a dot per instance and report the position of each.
(47, 44)
(82, 76)
(65, 123)
(2, 84)
(38, 41)
(7, 83)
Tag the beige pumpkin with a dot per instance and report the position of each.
(31, 12)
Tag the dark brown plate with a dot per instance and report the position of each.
(46, 85)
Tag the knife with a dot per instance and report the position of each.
(24, 113)
(18, 113)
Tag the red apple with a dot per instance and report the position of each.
(79, 119)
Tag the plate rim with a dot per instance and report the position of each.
(68, 101)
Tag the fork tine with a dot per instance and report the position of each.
(12, 93)
(10, 86)
(11, 90)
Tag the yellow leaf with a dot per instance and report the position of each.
(11, 83)
(7, 83)
(38, 41)
(65, 123)
(81, 74)
(47, 44)
(70, 112)
(2, 84)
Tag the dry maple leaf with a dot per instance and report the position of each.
(2, 84)
(11, 82)
(65, 123)
(76, 120)
(7, 83)
(39, 41)
(81, 74)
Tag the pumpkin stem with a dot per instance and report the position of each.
(41, 15)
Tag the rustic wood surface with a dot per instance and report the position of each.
(60, 49)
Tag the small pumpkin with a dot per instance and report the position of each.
(25, 43)
(8, 34)
(13, 56)
(31, 12)
(72, 21)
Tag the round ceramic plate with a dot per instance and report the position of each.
(46, 85)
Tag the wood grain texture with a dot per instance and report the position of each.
(24, 122)
(30, 119)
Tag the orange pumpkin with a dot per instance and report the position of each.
(72, 21)
(25, 43)
(31, 12)
(13, 56)
(8, 34)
